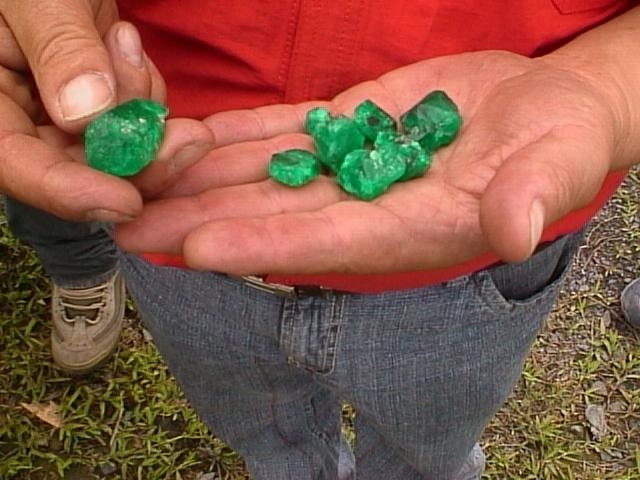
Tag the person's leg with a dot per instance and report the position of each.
(427, 369)
(222, 341)
(88, 295)
(73, 254)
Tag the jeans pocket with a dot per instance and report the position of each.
(567, 7)
(536, 279)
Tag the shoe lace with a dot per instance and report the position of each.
(83, 302)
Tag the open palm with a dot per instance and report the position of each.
(537, 141)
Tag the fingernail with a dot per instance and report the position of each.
(536, 224)
(130, 45)
(109, 216)
(85, 95)
(188, 155)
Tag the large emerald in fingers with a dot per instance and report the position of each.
(125, 139)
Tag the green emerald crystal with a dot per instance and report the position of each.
(369, 153)
(367, 174)
(416, 159)
(434, 121)
(334, 137)
(316, 118)
(294, 167)
(125, 139)
(372, 120)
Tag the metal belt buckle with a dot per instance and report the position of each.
(274, 288)
(281, 290)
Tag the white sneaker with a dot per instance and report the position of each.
(86, 324)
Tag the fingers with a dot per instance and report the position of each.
(41, 174)
(260, 123)
(164, 224)
(538, 185)
(66, 55)
(347, 237)
(306, 242)
(236, 164)
(77, 76)
(18, 88)
(266, 227)
(45, 177)
(136, 76)
(185, 142)
(11, 56)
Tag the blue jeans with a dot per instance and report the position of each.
(72, 254)
(425, 369)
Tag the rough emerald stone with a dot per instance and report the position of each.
(125, 139)
(316, 117)
(372, 120)
(334, 137)
(367, 174)
(434, 121)
(294, 167)
(415, 158)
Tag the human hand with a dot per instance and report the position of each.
(537, 141)
(62, 62)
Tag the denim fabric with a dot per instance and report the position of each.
(425, 369)
(72, 254)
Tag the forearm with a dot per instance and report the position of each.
(609, 58)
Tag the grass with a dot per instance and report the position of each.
(128, 420)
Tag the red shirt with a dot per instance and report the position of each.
(250, 53)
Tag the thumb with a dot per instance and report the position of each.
(535, 187)
(66, 55)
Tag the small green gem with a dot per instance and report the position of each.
(316, 118)
(334, 137)
(367, 174)
(372, 120)
(369, 153)
(415, 158)
(434, 121)
(294, 167)
(125, 139)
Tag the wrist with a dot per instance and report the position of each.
(605, 59)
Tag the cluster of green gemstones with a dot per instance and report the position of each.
(371, 151)
(367, 153)
(126, 138)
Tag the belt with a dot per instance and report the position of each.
(293, 291)
(287, 291)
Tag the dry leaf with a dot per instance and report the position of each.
(47, 412)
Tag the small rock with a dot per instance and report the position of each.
(106, 468)
(577, 430)
(208, 476)
(599, 388)
(616, 454)
(146, 334)
(597, 422)
(605, 457)
(618, 407)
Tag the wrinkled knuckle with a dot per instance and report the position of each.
(62, 45)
